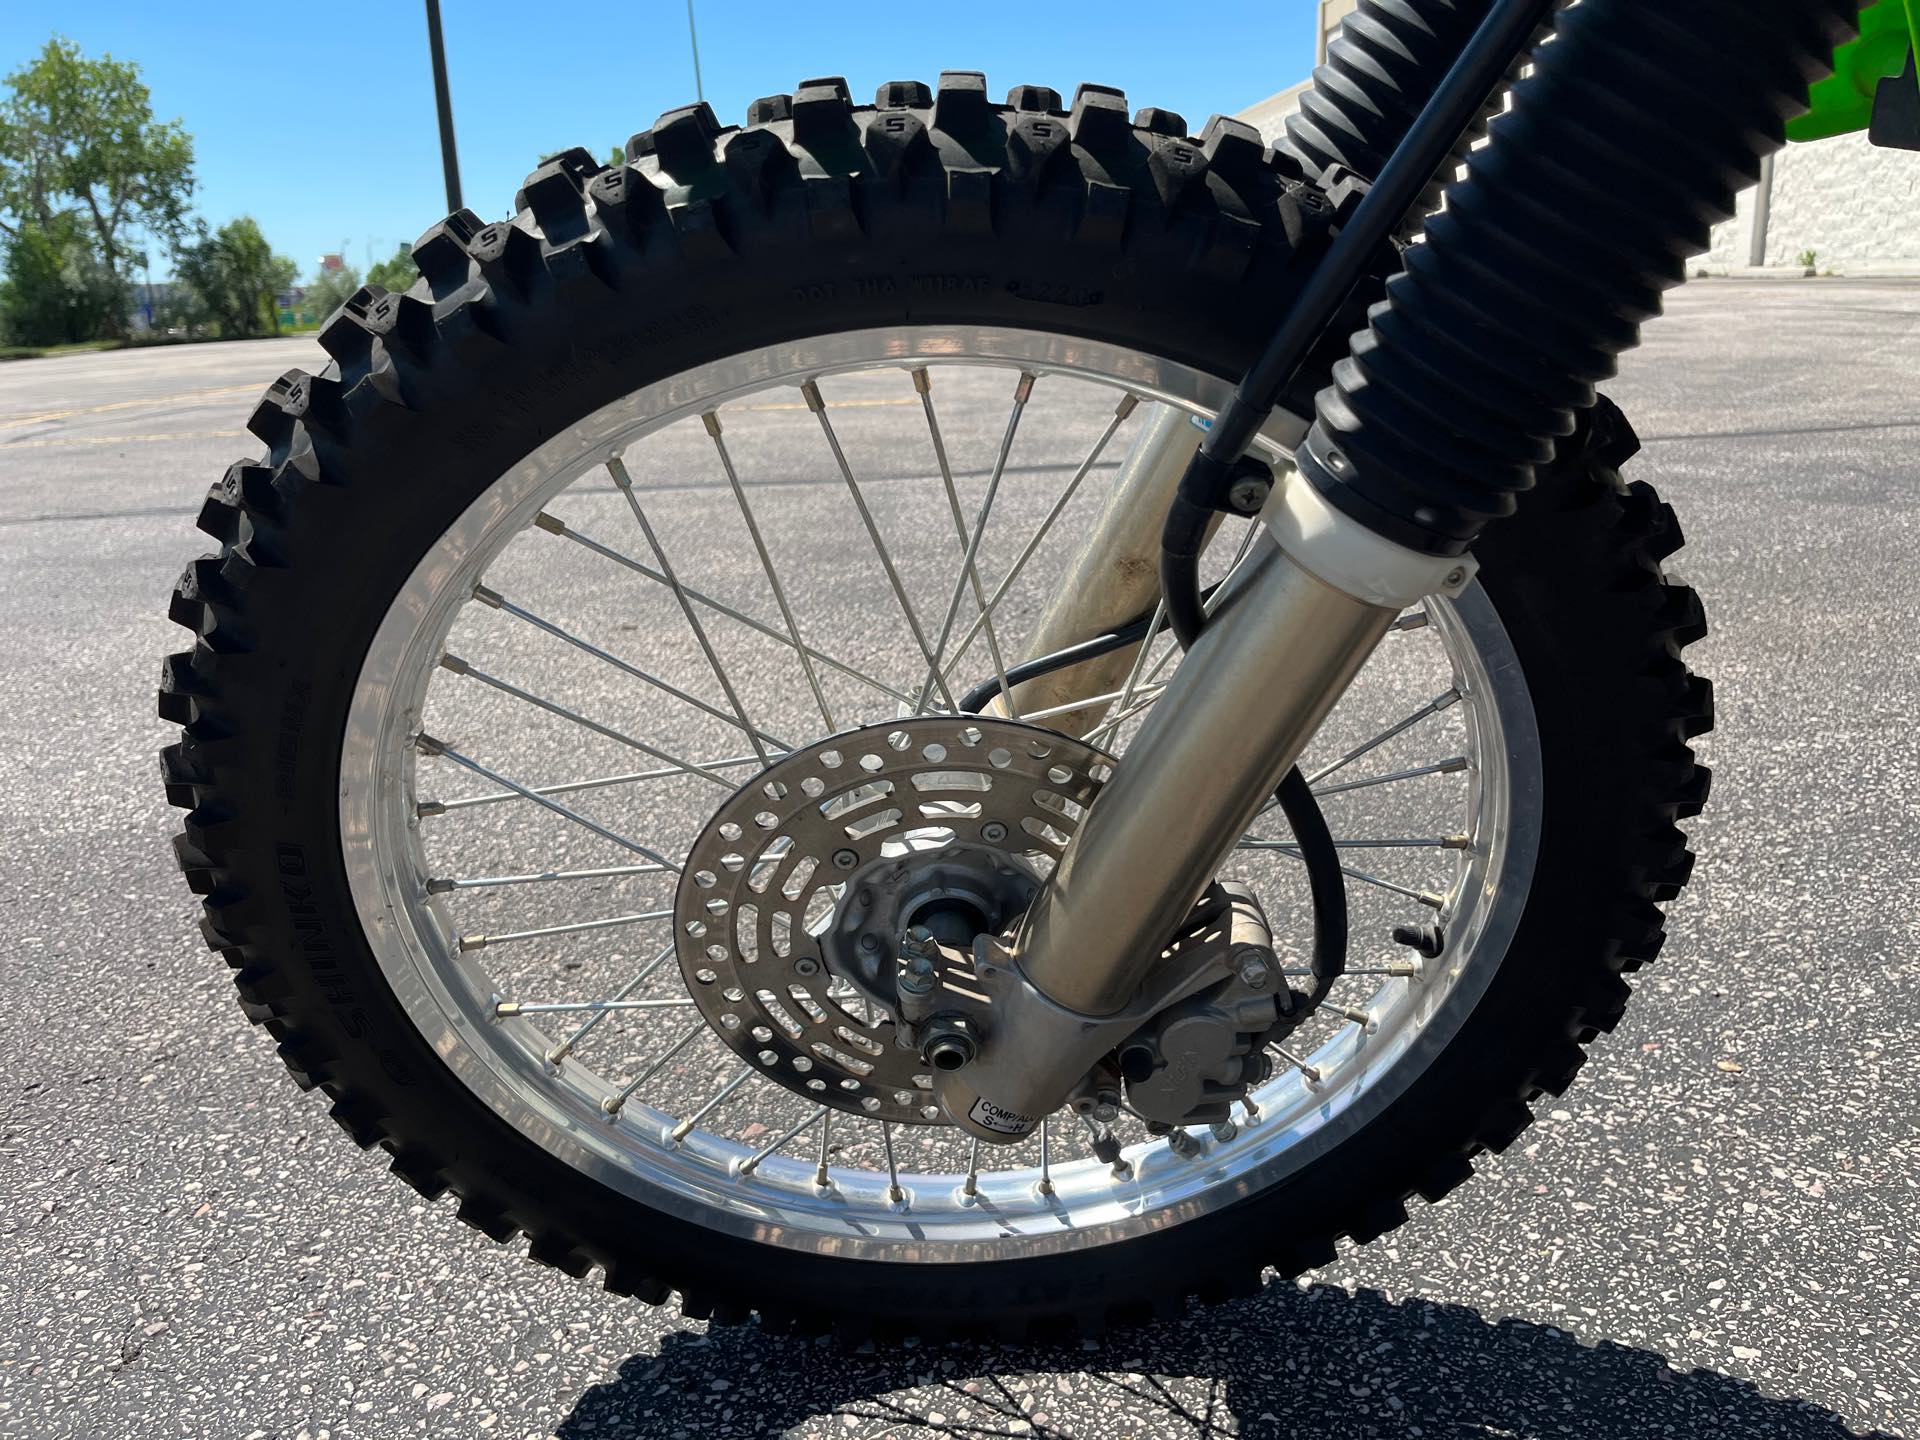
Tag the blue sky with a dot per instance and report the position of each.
(317, 119)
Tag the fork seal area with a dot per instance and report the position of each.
(1582, 209)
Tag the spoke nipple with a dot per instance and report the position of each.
(1253, 1110)
(896, 1196)
(1454, 765)
(455, 664)
(1044, 1189)
(489, 598)
(680, 1131)
(427, 745)
(1456, 842)
(559, 1052)
(810, 392)
(1183, 1144)
(749, 1165)
(553, 525)
(1126, 407)
(1024, 389)
(472, 942)
(426, 809)
(439, 887)
(712, 421)
(611, 1104)
(505, 1008)
(922, 381)
(1446, 701)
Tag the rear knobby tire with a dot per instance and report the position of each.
(819, 217)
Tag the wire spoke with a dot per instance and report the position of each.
(428, 808)
(1440, 702)
(712, 422)
(1027, 552)
(1423, 897)
(1022, 392)
(469, 943)
(505, 1008)
(752, 1162)
(894, 1192)
(565, 1047)
(430, 746)
(714, 1102)
(1445, 767)
(811, 392)
(494, 600)
(459, 666)
(1437, 842)
(614, 1103)
(1147, 697)
(923, 382)
(544, 877)
(555, 526)
(617, 468)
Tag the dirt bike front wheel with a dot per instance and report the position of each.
(674, 475)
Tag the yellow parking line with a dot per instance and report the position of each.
(120, 439)
(161, 400)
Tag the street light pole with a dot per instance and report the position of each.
(693, 41)
(443, 102)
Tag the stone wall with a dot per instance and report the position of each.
(1851, 204)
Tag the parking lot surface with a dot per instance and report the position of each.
(1712, 1234)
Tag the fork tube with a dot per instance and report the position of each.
(1278, 653)
(1115, 578)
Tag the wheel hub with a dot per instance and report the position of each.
(794, 899)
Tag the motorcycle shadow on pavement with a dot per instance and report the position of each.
(1318, 1362)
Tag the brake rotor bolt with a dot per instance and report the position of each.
(1224, 1130)
(806, 965)
(993, 832)
(845, 859)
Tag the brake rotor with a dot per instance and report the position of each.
(788, 912)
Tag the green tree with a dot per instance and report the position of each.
(330, 289)
(395, 274)
(56, 288)
(235, 275)
(83, 161)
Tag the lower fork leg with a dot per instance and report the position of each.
(1295, 625)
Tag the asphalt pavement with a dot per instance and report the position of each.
(1713, 1234)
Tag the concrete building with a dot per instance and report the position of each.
(1852, 208)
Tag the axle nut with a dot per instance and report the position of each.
(949, 1044)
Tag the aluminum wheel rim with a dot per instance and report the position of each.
(1061, 1202)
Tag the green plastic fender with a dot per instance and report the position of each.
(1843, 102)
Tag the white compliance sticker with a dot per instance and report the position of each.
(999, 1119)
